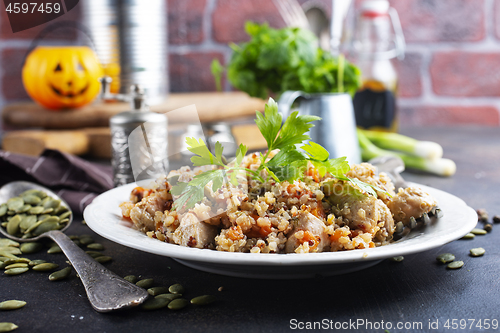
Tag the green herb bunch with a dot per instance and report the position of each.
(289, 164)
(276, 60)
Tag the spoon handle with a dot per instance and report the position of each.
(106, 291)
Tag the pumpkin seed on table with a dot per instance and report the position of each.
(86, 240)
(455, 264)
(7, 327)
(16, 265)
(103, 259)
(95, 246)
(131, 278)
(468, 236)
(176, 289)
(477, 231)
(46, 266)
(145, 283)
(94, 254)
(12, 305)
(31, 247)
(16, 271)
(445, 258)
(54, 249)
(60, 275)
(169, 296)
(36, 262)
(477, 252)
(155, 291)
(397, 258)
(203, 300)
(10, 249)
(155, 303)
(178, 304)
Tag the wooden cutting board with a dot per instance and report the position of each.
(211, 107)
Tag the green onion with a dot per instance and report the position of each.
(394, 141)
(438, 166)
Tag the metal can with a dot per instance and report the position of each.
(138, 143)
(130, 39)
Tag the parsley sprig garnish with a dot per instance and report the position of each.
(289, 164)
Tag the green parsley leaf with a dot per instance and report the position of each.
(240, 153)
(269, 124)
(205, 157)
(316, 151)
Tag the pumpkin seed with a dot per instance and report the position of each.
(65, 215)
(10, 249)
(477, 231)
(43, 217)
(16, 271)
(12, 305)
(36, 210)
(45, 226)
(2, 259)
(477, 252)
(169, 296)
(145, 283)
(178, 304)
(94, 254)
(103, 259)
(27, 222)
(176, 289)
(51, 218)
(203, 300)
(48, 210)
(3, 209)
(17, 261)
(61, 209)
(7, 327)
(52, 203)
(397, 258)
(23, 209)
(31, 199)
(131, 278)
(36, 262)
(60, 275)
(4, 224)
(4, 242)
(38, 193)
(86, 240)
(455, 264)
(468, 236)
(31, 247)
(15, 203)
(445, 258)
(13, 225)
(95, 246)
(8, 254)
(64, 220)
(155, 303)
(155, 291)
(54, 249)
(46, 266)
(17, 265)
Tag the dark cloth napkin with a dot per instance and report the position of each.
(77, 181)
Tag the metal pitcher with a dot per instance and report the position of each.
(337, 129)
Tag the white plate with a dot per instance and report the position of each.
(104, 217)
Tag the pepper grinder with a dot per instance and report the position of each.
(138, 139)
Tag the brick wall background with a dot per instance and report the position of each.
(451, 73)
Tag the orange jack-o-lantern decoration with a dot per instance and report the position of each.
(62, 77)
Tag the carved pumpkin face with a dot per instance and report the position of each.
(62, 77)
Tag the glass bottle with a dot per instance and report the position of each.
(378, 39)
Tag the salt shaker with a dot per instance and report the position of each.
(138, 142)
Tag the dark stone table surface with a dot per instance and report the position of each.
(417, 291)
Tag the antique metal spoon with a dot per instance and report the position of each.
(106, 291)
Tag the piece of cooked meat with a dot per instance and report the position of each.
(358, 210)
(193, 232)
(366, 173)
(144, 211)
(411, 201)
(309, 229)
